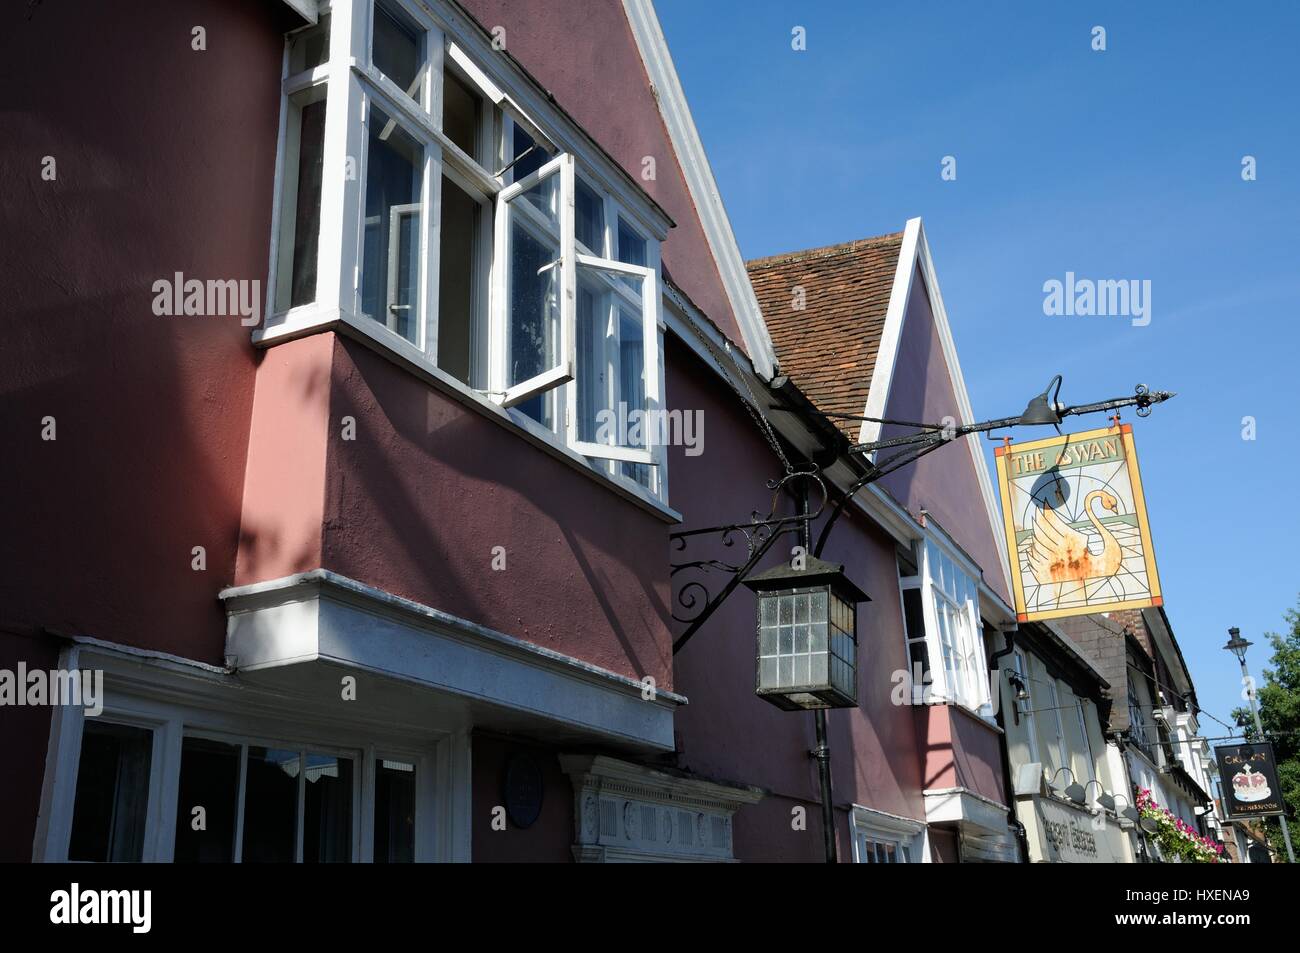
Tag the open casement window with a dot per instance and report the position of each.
(420, 205)
(618, 357)
(954, 632)
(534, 246)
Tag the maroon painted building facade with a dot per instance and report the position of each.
(348, 601)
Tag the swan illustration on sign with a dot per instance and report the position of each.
(1076, 525)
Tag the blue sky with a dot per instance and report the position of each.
(1118, 164)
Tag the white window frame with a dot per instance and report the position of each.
(1026, 709)
(870, 827)
(441, 760)
(1085, 753)
(1054, 704)
(966, 682)
(352, 83)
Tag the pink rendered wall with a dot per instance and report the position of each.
(599, 79)
(727, 732)
(284, 487)
(550, 838)
(164, 160)
(417, 502)
(944, 483)
(960, 751)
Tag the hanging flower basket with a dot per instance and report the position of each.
(1175, 836)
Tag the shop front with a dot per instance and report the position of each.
(1059, 831)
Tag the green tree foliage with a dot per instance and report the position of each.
(1278, 696)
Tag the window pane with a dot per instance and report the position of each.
(545, 198)
(398, 50)
(300, 198)
(631, 250)
(394, 812)
(631, 246)
(271, 806)
(914, 619)
(209, 780)
(462, 110)
(595, 333)
(458, 281)
(534, 320)
(589, 218)
(108, 815)
(327, 810)
(526, 154)
(390, 256)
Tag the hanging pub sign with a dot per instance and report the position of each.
(1076, 525)
(1249, 776)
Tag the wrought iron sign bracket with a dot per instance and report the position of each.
(761, 532)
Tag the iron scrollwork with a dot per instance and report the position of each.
(693, 602)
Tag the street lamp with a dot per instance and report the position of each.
(1075, 791)
(1107, 801)
(807, 636)
(1237, 646)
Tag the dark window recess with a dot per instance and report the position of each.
(461, 113)
(394, 812)
(209, 780)
(914, 618)
(108, 817)
(456, 284)
(327, 810)
(271, 806)
(306, 235)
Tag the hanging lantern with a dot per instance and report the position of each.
(807, 636)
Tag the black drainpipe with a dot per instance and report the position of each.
(1021, 840)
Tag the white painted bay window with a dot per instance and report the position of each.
(493, 246)
(943, 629)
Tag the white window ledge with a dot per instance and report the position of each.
(301, 322)
(278, 628)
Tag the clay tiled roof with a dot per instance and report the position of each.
(829, 348)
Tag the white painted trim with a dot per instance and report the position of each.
(322, 617)
(964, 807)
(882, 372)
(963, 402)
(630, 812)
(883, 826)
(700, 182)
(914, 253)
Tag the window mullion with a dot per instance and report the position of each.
(239, 804)
(344, 145)
(567, 350)
(302, 803)
(432, 272)
(650, 358)
(934, 641)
